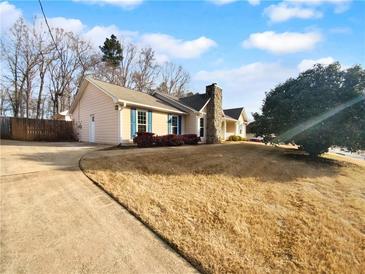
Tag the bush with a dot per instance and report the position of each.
(169, 140)
(144, 139)
(191, 139)
(236, 138)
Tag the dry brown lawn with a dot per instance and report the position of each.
(239, 208)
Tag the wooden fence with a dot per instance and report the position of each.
(36, 130)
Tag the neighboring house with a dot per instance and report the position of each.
(63, 115)
(111, 114)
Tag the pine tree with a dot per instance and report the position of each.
(112, 51)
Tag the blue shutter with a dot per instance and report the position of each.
(133, 123)
(169, 124)
(149, 118)
(179, 125)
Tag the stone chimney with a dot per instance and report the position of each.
(214, 116)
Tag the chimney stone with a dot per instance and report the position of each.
(214, 116)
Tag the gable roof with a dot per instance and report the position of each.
(234, 113)
(127, 96)
(196, 101)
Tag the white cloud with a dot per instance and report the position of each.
(97, 34)
(125, 4)
(247, 84)
(68, 24)
(167, 46)
(282, 12)
(8, 15)
(280, 43)
(309, 63)
(339, 5)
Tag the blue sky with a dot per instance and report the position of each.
(247, 47)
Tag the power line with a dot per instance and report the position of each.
(49, 29)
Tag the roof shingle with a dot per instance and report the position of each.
(132, 96)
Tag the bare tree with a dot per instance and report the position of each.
(122, 74)
(146, 71)
(70, 61)
(174, 79)
(10, 54)
(129, 54)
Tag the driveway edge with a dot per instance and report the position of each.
(193, 262)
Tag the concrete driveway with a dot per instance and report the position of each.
(54, 220)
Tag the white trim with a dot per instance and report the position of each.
(120, 127)
(151, 107)
(177, 123)
(204, 106)
(137, 124)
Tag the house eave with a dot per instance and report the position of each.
(134, 104)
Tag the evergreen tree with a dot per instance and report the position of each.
(322, 107)
(112, 51)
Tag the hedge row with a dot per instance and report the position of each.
(147, 139)
(236, 138)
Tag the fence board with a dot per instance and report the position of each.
(36, 130)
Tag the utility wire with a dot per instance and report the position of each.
(49, 29)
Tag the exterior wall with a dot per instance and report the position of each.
(241, 121)
(190, 125)
(126, 125)
(230, 128)
(214, 118)
(159, 123)
(93, 101)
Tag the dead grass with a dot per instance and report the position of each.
(243, 207)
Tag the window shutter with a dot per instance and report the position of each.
(133, 123)
(169, 124)
(179, 124)
(149, 127)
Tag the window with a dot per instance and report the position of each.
(174, 124)
(241, 128)
(141, 121)
(201, 127)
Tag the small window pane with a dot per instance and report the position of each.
(141, 121)
(174, 130)
(141, 128)
(201, 123)
(174, 121)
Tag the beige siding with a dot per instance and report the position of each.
(159, 123)
(231, 128)
(126, 125)
(94, 101)
(191, 124)
(242, 121)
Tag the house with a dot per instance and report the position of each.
(111, 114)
(63, 116)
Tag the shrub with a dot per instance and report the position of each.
(236, 138)
(144, 139)
(191, 139)
(169, 140)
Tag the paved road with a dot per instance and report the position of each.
(54, 220)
